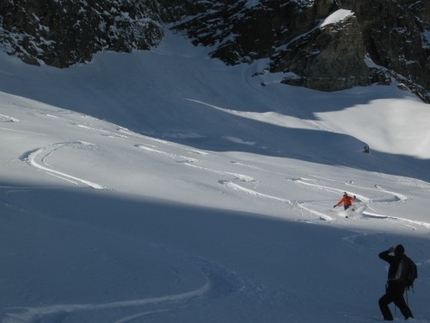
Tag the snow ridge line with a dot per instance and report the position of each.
(40, 154)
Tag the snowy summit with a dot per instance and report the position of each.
(337, 16)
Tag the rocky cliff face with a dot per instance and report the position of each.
(321, 44)
(397, 37)
(62, 33)
(378, 42)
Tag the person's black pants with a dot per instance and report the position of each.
(394, 293)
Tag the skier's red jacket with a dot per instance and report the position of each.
(346, 200)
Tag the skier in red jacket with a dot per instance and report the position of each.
(346, 200)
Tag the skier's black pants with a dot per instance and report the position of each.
(394, 293)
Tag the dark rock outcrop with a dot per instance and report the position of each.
(328, 58)
(394, 33)
(62, 33)
(375, 41)
(381, 41)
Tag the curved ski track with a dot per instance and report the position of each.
(238, 182)
(220, 282)
(37, 158)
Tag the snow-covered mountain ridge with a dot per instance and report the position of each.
(379, 42)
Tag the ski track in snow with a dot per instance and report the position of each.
(220, 282)
(154, 149)
(397, 198)
(300, 206)
(37, 159)
(235, 183)
(5, 118)
(47, 313)
(42, 314)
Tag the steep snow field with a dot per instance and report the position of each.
(163, 186)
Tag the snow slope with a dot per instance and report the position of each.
(162, 186)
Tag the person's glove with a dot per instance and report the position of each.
(334, 205)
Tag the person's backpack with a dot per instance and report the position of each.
(411, 272)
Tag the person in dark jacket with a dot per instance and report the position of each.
(395, 286)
